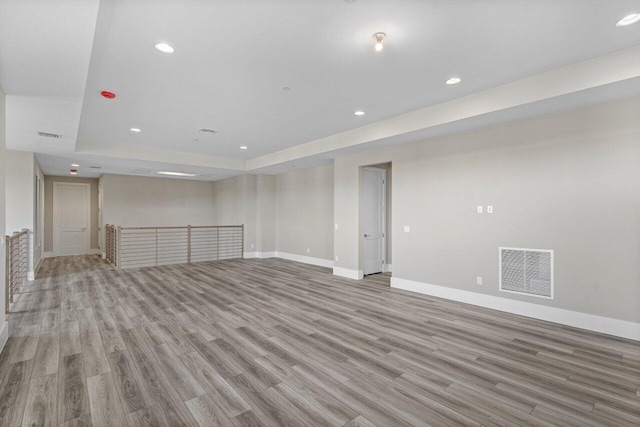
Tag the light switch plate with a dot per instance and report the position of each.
(407, 228)
(479, 280)
(479, 209)
(489, 209)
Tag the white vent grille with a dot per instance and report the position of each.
(527, 271)
(207, 130)
(48, 135)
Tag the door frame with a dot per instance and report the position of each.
(384, 217)
(55, 214)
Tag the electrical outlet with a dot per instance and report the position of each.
(479, 280)
(308, 250)
(252, 246)
(479, 209)
(336, 258)
(489, 209)
(407, 228)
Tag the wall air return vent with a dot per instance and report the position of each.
(49, 135)
(527, 271)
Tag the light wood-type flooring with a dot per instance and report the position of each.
(272, 343)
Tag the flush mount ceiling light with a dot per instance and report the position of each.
(379, 37)
(164, 48)
(244, 147)
(629, 20)
(453, 81)
(359, 113)
(75, 165)
(135, 130)
(175, 173)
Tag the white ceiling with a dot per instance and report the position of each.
(233, 58)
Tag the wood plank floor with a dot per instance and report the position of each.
(273, 342)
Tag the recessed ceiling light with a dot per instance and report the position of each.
(244, 147)
(628, 20)
(135, 130)
(453, 81)
(75, 165)
(359, 113)
(286, 88)
(176, 173)
(164, 48)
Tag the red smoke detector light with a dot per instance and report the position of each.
(107, 94)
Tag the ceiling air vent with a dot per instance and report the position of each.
(527, 271)
(209, 131)
(95, 167)
(49, 135)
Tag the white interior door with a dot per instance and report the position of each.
(71, 218)
(373, 218)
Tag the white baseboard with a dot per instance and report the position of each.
(291, 257)
(605, 325)
(49, 254)
(259, 254)
(386, 268)
(348, 273)
(306, 259)
(4, 335)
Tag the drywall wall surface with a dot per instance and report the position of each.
(20, 197)
(48, 208)
(4, 329)
(38, 214)
(305, 205)
(134, 201)
(19, 190)
(266, 213)
(568, 182)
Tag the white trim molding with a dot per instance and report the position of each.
(306, 259)
(48, 254)
(4, 335)
(31, 276)
(605, 325)
(348, 273)
(259, 254)
(291, 257)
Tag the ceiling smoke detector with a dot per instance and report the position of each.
(49, 135)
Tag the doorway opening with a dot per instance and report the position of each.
(375, 219)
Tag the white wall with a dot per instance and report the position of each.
(19, 191)
(38, 215)
(304, 206)
(132, 201)
(20, 198)
(568, 182)
(4, 327)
